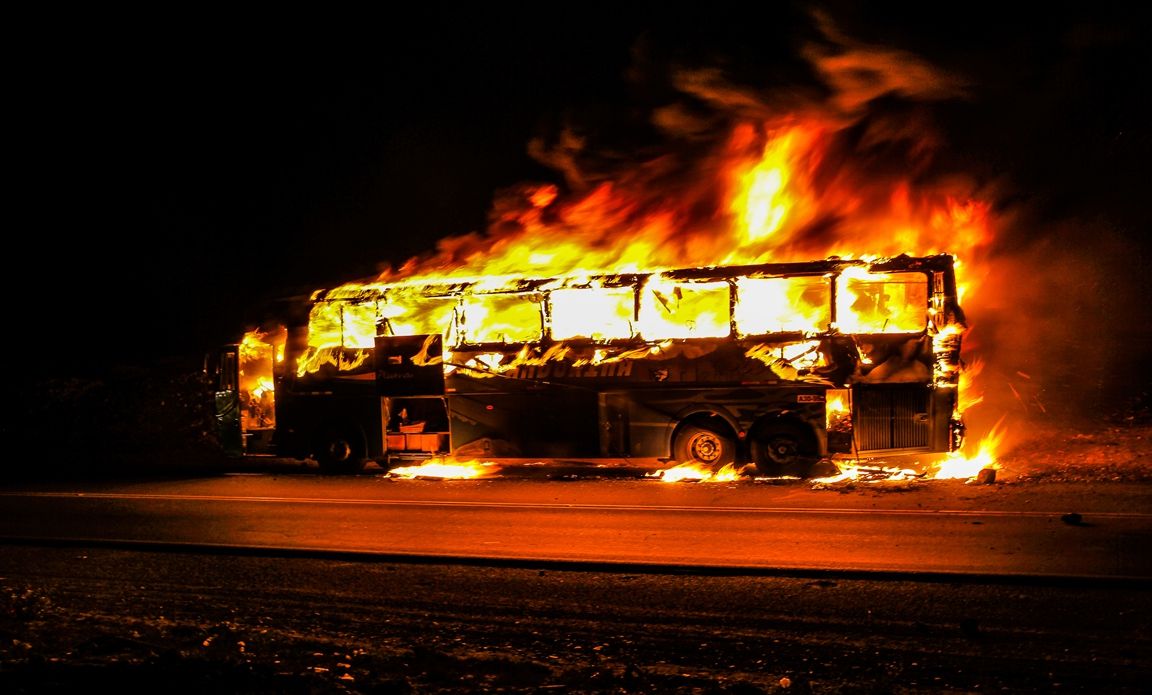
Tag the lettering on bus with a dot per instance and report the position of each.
(554, 371)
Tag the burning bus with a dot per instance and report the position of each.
(767, 367)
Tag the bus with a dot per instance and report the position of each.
(770, 367)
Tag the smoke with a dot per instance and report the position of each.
(1062, 324)
(859, 73)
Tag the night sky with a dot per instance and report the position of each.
(184, 172)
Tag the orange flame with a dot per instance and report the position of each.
(774, 191)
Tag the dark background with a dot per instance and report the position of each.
(179, 172)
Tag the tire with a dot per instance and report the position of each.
(784, 450)
(340, 454)
(705, 446)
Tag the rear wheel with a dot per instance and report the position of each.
(784, 450)
(704, 445)
(340, 454)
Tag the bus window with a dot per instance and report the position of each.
(359, 324)
(325, 325)
(413, 314)
(502, 318)
(881, 302)
(596, 313)
(782, 305)
(684, 309)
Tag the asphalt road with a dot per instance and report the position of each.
(291, 582)
(943, 527)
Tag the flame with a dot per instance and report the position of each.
(260, 353)
(446, 471)
(869, 474)
(970, 394)
(779, 185)
(698, 474)
(957, 465)
(953, 466)
(774, 187)
(762, 192)
(763, 201)
(776, 190)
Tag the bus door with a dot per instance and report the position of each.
(410, 383)
(222, 368)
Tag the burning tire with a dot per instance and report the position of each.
(708, 445)
(784, 450)
(340, 454)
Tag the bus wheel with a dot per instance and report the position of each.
(705, 446)
(783, 451)
(339, 455)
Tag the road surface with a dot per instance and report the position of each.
(942, 527)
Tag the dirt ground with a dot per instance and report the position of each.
(1105, 451)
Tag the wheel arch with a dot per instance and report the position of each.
(811, 448)
(700, 417)
(332, 431)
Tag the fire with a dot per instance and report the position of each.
(820, 181)
(260, 353)
(781, 182)
(698, 474)
(445, 471)
(869, 474)
(970, 394)
(763, 201)
(757, 199)
(957, 465)
(954, 466)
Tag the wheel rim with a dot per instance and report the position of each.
(782, 450)
(706, 447)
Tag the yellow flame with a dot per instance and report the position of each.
(866, 474)
(263, 385)
(698, 473)
(957, 465)
(260, 351)
(684, 310)
(763, 200)
(453, 471)
(881, 302)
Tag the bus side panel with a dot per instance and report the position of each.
(305, 413)
(547, 423)
(644, 420)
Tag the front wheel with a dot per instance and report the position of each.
(704, 446)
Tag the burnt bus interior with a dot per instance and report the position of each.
(620, 366)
